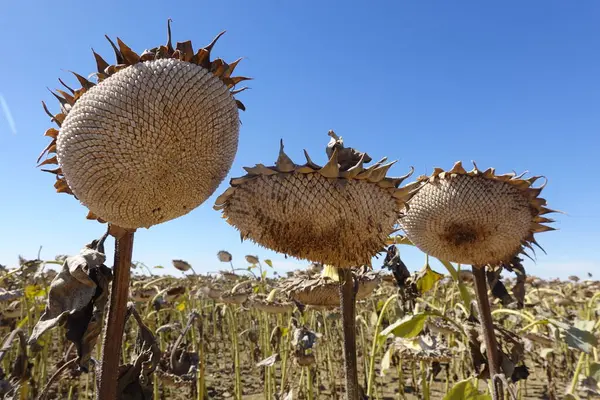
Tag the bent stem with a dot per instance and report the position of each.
(487, 327)
(348, 305)
(117, 312)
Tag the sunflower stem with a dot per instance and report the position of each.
(487, 327)
(115, 320)
(348, 305)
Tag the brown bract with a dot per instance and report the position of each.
(475, 217)
(339, 214)
(152, 139)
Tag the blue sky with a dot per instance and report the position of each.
(513, 85)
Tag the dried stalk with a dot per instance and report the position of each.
(487, 326)
(348, 304)
(117, 313)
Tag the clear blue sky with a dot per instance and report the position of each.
(511, 84)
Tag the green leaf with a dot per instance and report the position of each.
(427, 278)
(465, 390)
(269, 263)
(407, 327)
(158, 267)
(464, 293)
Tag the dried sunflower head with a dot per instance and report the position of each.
(224, 256)
(152, 139)
(340, 214)
(182, 265)
(269, 306)
(474, 217)
(323, 291)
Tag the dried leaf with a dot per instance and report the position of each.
(269, 361)
(77, 297)
(386, 361)
(135, 380)
(394, 263)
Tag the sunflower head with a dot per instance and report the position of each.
(339, 214)
(475, 217)
(151, 139)
(323, 290)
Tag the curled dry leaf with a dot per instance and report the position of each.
(498, 289)
(135, 379)
(393, 262)
(76, 299)
(181, 361)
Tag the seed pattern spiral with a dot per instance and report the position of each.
(150, 143)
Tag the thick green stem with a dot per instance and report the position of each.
(487, 326)
(115, 321)
(348, 305)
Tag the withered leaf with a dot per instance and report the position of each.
(269, 361)
(135, 380)
(498, 289)
(76, 298)
(181, 361)
(393, 262)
